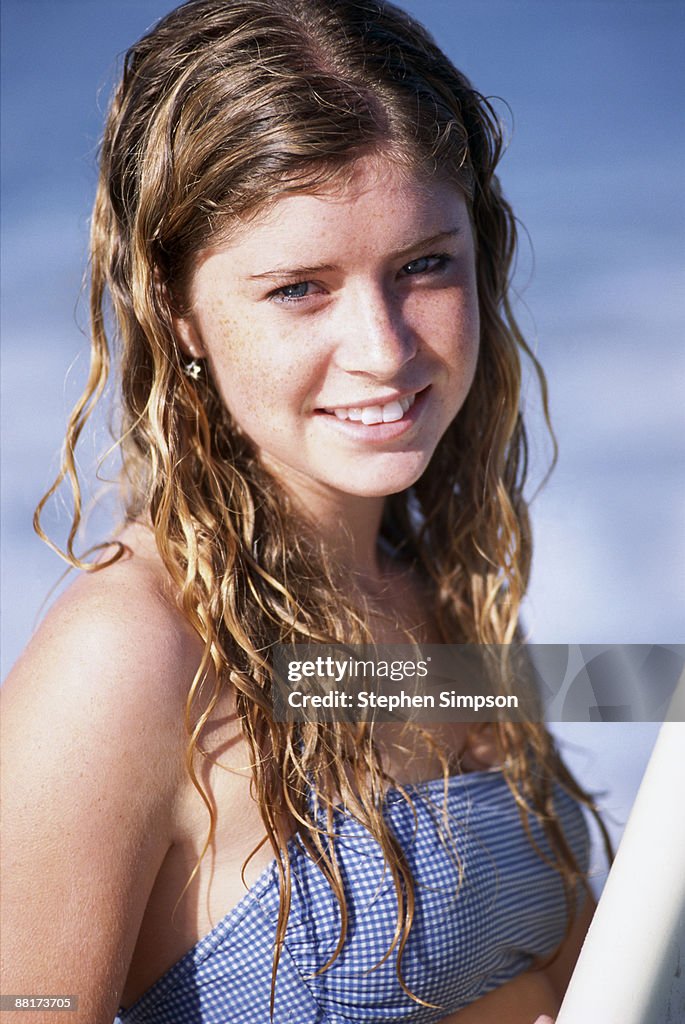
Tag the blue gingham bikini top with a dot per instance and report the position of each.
(469, 935)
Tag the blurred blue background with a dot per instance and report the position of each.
(594, 171)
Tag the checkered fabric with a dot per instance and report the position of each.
(486, 906)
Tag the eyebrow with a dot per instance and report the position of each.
(300, 272)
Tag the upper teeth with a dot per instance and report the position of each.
(370, 414)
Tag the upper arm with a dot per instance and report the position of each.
(92, 764)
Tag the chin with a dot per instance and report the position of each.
(380, 484)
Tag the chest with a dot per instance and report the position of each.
(486, 906)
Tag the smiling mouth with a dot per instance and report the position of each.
(369, 415)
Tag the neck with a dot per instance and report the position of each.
(349, 526)
(350, 530)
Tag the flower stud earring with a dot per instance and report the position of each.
(193, 369)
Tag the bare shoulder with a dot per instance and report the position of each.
(115, 636)
(106, 677)
(92, 749)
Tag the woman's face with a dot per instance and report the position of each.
(341, 329)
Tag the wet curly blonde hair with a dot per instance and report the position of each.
(222, 107)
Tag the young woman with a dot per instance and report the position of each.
(300, 260)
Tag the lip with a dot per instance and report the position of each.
(378, 400)
(377, 432)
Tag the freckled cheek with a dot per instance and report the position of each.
(470, 337)
(260, 377)
(455, 330)
(231, 345)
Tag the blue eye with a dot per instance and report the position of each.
(291, 292)
(426, 264)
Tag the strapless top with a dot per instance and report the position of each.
(487, 905)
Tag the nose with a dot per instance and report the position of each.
(374, 337)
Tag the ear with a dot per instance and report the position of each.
(188, 337)
(185, 330)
